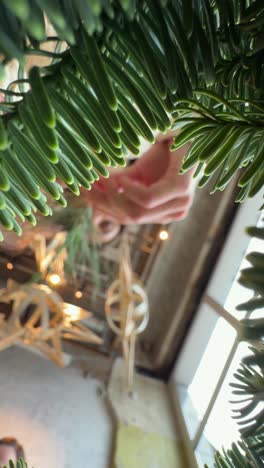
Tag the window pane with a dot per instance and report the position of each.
(221, 429)
(194, 398)
(238, 294)
(211, 366)
(199, 335)
(211, 346)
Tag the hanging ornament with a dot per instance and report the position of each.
(49, 321)
(126, 308)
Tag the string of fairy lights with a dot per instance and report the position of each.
(55, 279)
(126, 306)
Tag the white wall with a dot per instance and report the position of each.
(56, 414)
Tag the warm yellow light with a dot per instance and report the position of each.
(78, 294)
(9, 266)
(54, 279)
(72, 312)
(164, 235)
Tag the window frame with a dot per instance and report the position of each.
(213, 299)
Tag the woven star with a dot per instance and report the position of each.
(126, 309)
(50, 322)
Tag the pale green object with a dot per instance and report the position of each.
(136, 448)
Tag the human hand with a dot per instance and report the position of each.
(149, 191)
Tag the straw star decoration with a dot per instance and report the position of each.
(45, 327)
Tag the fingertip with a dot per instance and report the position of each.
(99, 185)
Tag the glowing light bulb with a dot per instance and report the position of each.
(9, 266)
(54, 279)
(78, 294)
(72, 312)
(164, 235)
